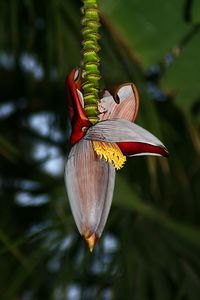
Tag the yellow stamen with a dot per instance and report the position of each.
(110, 152)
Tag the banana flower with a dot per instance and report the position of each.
(100, 149)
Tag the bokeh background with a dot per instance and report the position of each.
(150, 249)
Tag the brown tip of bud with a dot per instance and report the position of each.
(91, 241)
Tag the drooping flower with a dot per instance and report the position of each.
(100, 149)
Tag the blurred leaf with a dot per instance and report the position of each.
(132, 201)
(180, 79)
(196, 11)
(149, 34)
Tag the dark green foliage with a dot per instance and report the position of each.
(150, 249)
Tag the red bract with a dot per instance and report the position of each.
(79, 121)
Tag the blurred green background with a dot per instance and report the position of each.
(150, 249)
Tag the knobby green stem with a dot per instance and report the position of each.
(90, 59)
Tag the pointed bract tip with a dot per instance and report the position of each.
(166, 152)
(91, 241)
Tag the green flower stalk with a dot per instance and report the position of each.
(90, 59)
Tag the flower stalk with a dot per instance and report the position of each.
(90, 59)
